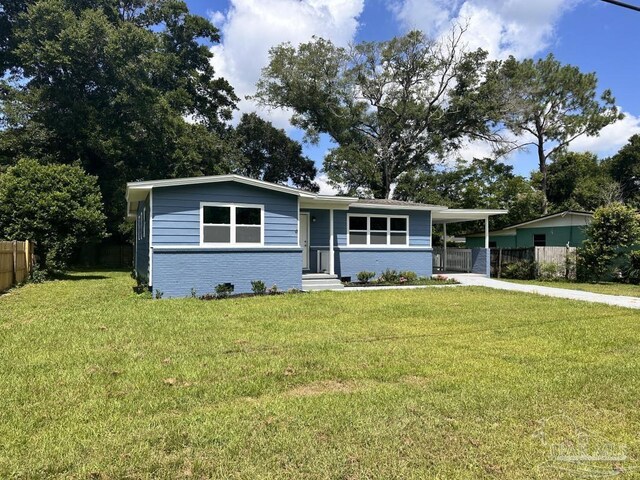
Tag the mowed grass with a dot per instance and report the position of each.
(608, 288)
(448, 383)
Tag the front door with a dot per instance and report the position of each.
(304, 239)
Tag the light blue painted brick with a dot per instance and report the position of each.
(176, 272)
(350, 262)
(480, 261)
(176, 211)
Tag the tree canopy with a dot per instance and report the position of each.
(547, 105)
(390, 106)
(481, 183)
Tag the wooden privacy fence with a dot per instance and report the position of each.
(16, 263)
(457, 259)
(563, 257)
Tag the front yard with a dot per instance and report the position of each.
(450, 383)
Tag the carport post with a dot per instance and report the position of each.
(444, 236)
(486, 247)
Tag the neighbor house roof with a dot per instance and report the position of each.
(138, 191)
(512, 228)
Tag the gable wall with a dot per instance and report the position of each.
(176, 211)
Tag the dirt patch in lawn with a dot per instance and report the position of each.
(327, 386)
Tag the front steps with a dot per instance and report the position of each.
(320, 281)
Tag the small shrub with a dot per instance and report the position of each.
(389, 276)
(193, 293)
(549, 271)
(365, 277)
(159, 294)
(631, 269)
(223, 290)
(521, 270)
(409, 276)
(37, 274)
(274, 289)
(258, 287)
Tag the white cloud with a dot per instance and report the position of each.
(503, 27)
(323, 182)
(611, 138)
(251, 27)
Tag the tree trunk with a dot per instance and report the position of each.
(542, 164)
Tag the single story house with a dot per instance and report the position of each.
(195, 233)
(556, 230)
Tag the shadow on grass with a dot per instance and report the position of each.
(88, 276)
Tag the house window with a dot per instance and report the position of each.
(378, 230)
(539, 240)
(231, 224)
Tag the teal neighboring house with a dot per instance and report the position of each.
(557, 230)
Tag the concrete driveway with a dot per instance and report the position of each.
(482, 281)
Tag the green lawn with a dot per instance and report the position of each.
(433, 383)
(608, 288)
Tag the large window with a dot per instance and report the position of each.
(378, 230)
(231, 224)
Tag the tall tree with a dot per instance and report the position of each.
(389, 106)
(624, 167)
(269, 154)
(548, 105)
(110, 83)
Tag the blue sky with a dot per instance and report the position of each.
(591, 34)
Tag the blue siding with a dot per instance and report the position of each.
(142, 246)
(480, 260)
(176, 211)
(350, 262)
(177, 271)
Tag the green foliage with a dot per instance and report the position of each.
(578, 181)
(37, 274)
(388, 105)
(624, 167)
(109, 84)
(631, 269)
(548, 105)
(365, 277)
(389, 276)
(408, 276)
(58, 206)
(520, 270)
(481, 183)
(270, 155)
(549, 271)
(258, 287)
(614, 229)
(159, 294)
(223, 290)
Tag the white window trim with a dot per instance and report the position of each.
(368, 231)
(232, 225)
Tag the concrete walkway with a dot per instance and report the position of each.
(482, 281)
